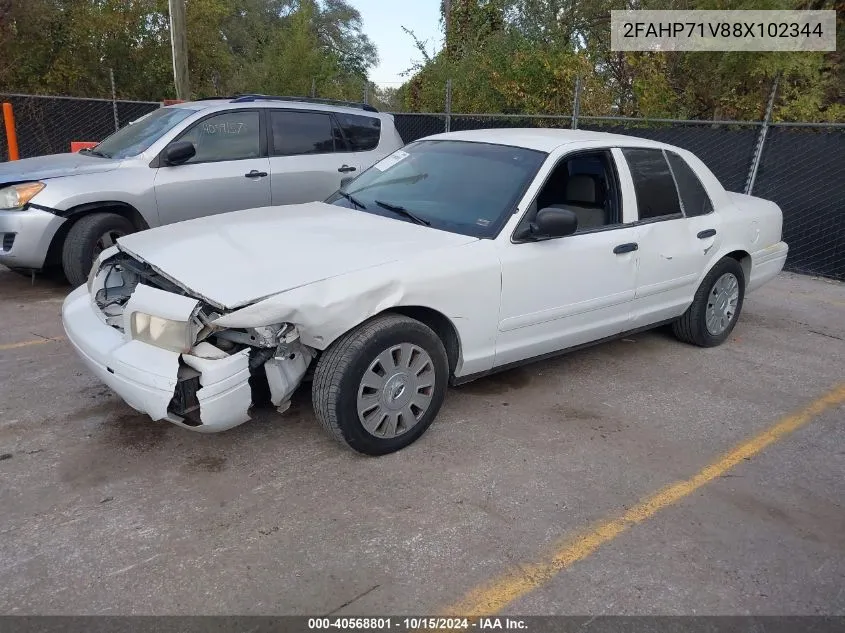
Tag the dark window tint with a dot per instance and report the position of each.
(302, 133)
(653, 183)
(362, 132)
(228, 136)
(693, 195)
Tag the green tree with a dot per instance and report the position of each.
(524, 56)
(68, 46)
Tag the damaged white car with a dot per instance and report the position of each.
(459, 255)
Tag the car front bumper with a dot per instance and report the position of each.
(25, 237)
(146, 376)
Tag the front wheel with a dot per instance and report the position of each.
(87, 238)
(379, 387)
(715, 308)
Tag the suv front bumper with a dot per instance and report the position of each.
(25, 237)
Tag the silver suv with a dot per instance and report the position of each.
(180, 162)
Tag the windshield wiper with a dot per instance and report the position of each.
(411, 180)
(399, 209)
(94, 152)
(353, 200)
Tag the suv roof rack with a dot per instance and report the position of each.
(246, 98)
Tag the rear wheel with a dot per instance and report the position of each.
(87, 238)
(379, 387)
(715, 308)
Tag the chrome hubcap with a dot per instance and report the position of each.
(396, 390)
(721, 303)
(106, 240)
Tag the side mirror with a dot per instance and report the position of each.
(554, 222)
(550, 222)
(345, 181)
(179, 152)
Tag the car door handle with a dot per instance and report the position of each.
(626, 248)
(345, 168)
(255, 174)
(703, 235)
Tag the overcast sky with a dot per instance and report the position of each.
(383, 21)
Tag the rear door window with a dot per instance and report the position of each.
(297, 133)
(693, 194)
(653, 183)
(361, 132)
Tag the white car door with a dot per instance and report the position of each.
(228, 172)
(565, 292)
(307, 156)
(673, 248)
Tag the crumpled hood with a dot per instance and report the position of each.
(234, 259)
(53, 166)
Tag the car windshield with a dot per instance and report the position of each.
(458, 186)
(141, 133)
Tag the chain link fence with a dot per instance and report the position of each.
(800, 166)
(48, 125)
(803, 171)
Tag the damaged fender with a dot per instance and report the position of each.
(322, 311)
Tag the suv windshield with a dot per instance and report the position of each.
(458, 186)
(141, 133)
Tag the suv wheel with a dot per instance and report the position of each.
(87, 238)
(379, 387)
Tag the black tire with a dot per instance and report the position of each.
(340, 370)
(691, 327)
(80, 247)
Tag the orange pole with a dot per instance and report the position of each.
(11, 136)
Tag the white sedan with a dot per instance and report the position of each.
(459, 255)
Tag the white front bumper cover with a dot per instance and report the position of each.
(145, 376)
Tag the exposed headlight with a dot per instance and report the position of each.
(95, 267)
(164, 333)
(16, 196)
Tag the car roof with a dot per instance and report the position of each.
(287, 104)
(543, 139)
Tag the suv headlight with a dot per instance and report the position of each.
(16, 196)
(165, 333)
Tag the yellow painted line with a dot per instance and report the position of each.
(492, 597)
(38, 341)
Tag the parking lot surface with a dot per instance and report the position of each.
(512, 499)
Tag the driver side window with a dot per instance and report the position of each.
(586, 184)
(227, 136)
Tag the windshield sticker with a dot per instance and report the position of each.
(482, 222)
(390, 161)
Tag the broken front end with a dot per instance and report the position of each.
(158, 347)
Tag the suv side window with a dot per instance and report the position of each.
(225, 136)
(694, 197)
(296, 133)
(654, 186)
(362, 132)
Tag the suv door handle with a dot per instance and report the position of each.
(626, 248)
(255, 174)
(703, 235)
(345, 168)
